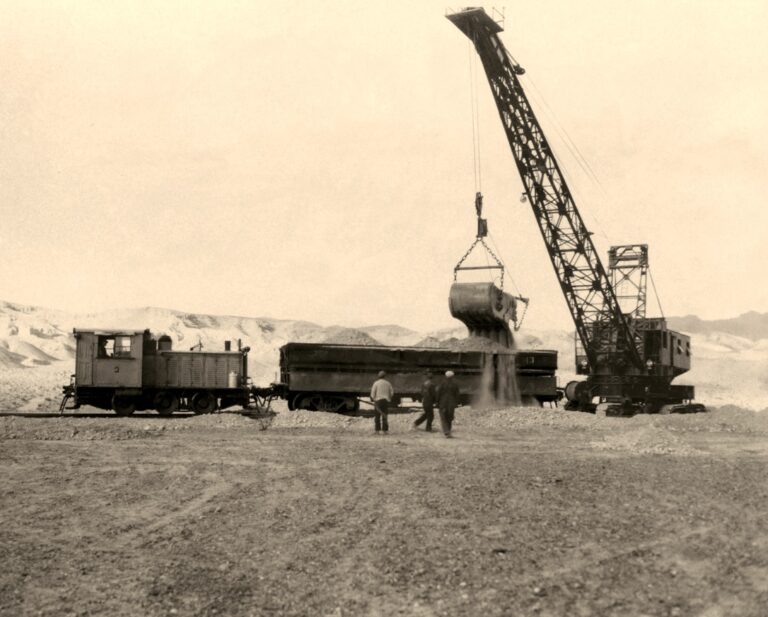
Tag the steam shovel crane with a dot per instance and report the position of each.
(629, 360)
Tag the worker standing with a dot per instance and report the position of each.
(381, 395)
(448, 397)
(428, 394)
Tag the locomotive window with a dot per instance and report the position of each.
(123, 347)
(114, 347)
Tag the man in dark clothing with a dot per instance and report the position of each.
(428, 395)
(448, 397)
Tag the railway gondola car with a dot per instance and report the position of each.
(319, 376)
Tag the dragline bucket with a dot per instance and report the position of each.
(485, 309)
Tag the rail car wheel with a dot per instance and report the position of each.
(203, 402)
(305, 401)
(649, 407)
(310, 402)
(123, 404)
(327, 403)
(318, 402)
(166, 403)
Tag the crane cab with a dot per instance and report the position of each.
(666, 352)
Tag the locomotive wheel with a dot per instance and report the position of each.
(123, 404)
(166, 403)
(203, 402)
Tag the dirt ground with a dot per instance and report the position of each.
(525, 512)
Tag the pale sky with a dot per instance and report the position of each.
(313, 160)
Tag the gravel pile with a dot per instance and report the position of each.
(726, 419)
(318, 419)
(350, 336)
(472, 343)
(500, 418)
(216, 420)
(520, 417)
(430, 342)
(655, 430)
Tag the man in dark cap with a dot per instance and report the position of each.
(427, 402)
(448, 398)
(381, 395)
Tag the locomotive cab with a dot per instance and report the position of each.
(109, 358)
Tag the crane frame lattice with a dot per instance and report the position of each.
(628, 264)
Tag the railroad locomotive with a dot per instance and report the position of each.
(132, 370)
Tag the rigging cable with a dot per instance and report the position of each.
(581, 159)
(506, 270)
(655, 293)
(538, 98)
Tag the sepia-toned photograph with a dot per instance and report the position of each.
(344, 308)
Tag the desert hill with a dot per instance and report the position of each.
(751, 325)
(730, 356)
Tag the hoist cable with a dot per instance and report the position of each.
(476, 161)
(472, 105)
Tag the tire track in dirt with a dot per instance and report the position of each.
(135, 538)
(601, 555)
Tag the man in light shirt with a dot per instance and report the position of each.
(381, 395)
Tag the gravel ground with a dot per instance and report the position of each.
(526, 512)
